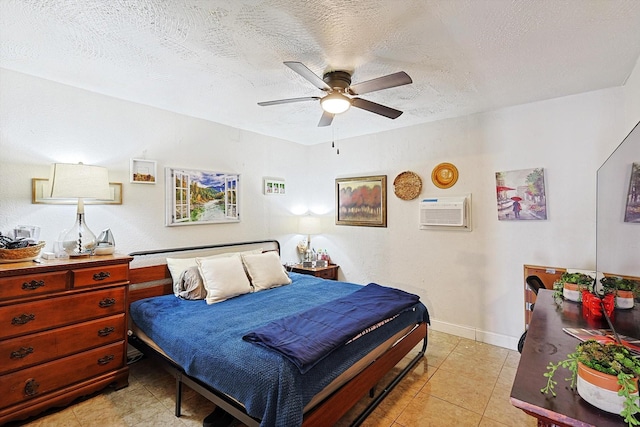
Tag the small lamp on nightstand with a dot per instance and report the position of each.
(308, 225)
(79, 181)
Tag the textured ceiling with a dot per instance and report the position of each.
(216, 59)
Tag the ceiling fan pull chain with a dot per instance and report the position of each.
(333, 141)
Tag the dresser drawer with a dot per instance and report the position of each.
(329, 274)
(40, 347)
(33, 284)
(38, 380)
(41, 315)
(100, 275)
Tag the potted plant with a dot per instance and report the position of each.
(571, 285)
(606, 376)
(626, 290)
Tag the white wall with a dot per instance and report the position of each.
(45, 122)
(618, 242)
(470, 281)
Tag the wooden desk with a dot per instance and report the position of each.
(546, 341)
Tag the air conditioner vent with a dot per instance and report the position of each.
(444, 212)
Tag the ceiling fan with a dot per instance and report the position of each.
(340, 92)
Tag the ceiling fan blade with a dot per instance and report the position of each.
(302, 69)
(392, 80)
(376, 108)
(326, 119)
(287, 101)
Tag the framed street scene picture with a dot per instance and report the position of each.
(521, 195)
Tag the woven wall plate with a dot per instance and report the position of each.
(407, 185)
(444, 175)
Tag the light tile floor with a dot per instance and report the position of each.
(459, 383)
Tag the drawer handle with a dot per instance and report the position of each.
(32, 285)
(23, 319)
(31, 387)
(21, 353)
(105, 360)
(107, 302)
(101, 276)
(106, 331)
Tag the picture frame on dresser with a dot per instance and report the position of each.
(39, 187)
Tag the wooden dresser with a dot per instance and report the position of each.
(63, 331)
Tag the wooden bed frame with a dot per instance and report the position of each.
(155, 280)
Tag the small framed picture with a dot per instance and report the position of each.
(274, 186)
(521, 195)
(143, 171)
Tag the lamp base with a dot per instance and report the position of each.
(79, 240)
(75, 255)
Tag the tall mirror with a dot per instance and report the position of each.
(618, 209)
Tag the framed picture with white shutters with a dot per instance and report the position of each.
(201, 197)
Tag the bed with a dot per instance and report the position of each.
(207, 346)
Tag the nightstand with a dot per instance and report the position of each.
(329, 272)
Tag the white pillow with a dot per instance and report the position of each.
(265, 270)
(223, 278)
(177, 266)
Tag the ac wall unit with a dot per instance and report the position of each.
(451, 212)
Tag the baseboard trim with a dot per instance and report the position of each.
(475, 334)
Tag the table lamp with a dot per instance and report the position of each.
(309, 225)
(79, 181)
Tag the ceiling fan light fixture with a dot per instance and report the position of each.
(335, 103)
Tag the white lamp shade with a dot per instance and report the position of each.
(335, 103)
(78, 181)
(309, 225)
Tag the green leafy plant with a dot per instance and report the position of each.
(584, 282)
(610, 358)
(612, 284)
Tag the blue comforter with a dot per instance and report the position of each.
(307, 337)
(206, 341)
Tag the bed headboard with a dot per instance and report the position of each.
(149, 275)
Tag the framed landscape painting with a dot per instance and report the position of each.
(201, 197)
(362, 201)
